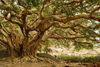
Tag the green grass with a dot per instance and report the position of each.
(79, 58)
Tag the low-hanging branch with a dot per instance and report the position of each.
(25, 29)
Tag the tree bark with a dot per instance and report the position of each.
(23, 51)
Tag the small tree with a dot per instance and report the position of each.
(25, 24)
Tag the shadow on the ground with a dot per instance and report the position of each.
(4, 53)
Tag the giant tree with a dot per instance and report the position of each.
(26, 24)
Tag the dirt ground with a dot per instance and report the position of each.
(8, 62)
(16, 63)
(39, 64)
(43, 64)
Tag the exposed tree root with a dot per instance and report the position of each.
(41, 57)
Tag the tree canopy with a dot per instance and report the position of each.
(26, 24)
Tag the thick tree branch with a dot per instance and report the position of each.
(73, 2)
(85, 16)
(43, 6)
(94, 10)
(65, 26)
(3, 1)
(64, 37)
(3, 41)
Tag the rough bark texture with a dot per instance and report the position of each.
(4, 53)
(22, 52)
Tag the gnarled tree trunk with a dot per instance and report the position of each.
(26, 48)
(23, 51)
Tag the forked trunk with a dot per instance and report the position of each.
(26, 48)
(23, 52)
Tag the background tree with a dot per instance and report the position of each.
(26, 24)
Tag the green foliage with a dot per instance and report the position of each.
(64, 9)
(40, 48)
(46, 48)
(6, 25)
(56, 7)
(16, 9)
(79, 46)
(73, 58)
(34, 2)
